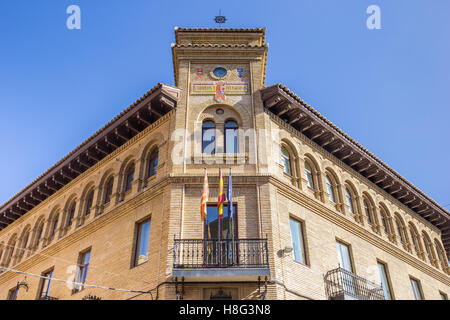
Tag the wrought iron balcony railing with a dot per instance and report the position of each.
(344, 285)
(213, 253)
(45, 297)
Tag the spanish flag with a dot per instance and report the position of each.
(221, 197)
(205, 197)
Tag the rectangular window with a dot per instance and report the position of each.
(298, 240)
(443, 296)
(83, 267)
(142, 242)
(385, 280)
(212, 230)
(417, 290)
(12, 294)
(44, 288)
(344, 257)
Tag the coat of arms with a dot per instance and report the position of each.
(220, 91)
(199, 72)
(240, 72)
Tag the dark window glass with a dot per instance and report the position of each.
(212, 223)
(44, 290)
(129, 177)
(89, 201)
(108, 190)
(152, 163)
(39, 234)
(54, 225)
(209, 137)
(142, 242)
(12, 294)
(71, 215)
(231, 137)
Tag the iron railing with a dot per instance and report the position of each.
(45, 297)
(213, 253)
(343, 284)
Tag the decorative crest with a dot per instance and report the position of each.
(220, 19)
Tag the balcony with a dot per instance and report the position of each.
(220, 260)
(344, 285)
(45, 297)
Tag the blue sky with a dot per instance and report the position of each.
(388, 89)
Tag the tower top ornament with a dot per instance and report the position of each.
(220, 19)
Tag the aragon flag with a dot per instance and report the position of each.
(205, 197)
(221, 197)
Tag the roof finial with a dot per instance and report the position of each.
(220, 19)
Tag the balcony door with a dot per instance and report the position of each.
(345, 262)
(223, 252)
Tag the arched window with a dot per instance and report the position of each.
(25, 238)
(54, 225)
(71, 214)
(129, 177)
(401, 229)
(441, 256)
(330, 189)
(349, 200)
(231, 137)
(209, 137)
(39, 232)
(108, 190)
(89, 202)
(385, 221)
(152, 163)
(309, 175)
(429, 248)
(369, 211)
(286, 161)
(416, 240)
(10, 250)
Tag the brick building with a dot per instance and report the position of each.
(316, 216)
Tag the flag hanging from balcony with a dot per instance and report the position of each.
(221, 197)
(205, 197)
(230, 198)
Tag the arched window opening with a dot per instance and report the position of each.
(368, 210)
(330, 189)
(24, 245)
(429, 248)
(54, 225)
(401, 233)
(89, 202)
(152, 163)
(39, 232)
(231, 137)
(209, 137)
(286, 161)
(11, 248)
(384, 221)
(71, 214)
(129, 177)
(309, 175)
(441, 256)
(416, 241)
(349, 200)
(108, 190)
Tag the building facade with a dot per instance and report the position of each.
(316, 216)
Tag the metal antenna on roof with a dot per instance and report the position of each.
(220, 19)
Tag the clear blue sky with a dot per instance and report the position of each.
(389, 89)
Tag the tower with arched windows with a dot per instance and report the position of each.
(310, 207)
